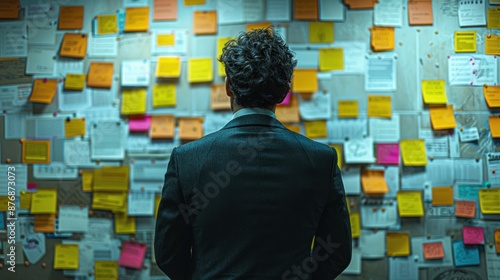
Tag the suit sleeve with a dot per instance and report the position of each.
(333, 244)
(173, 235)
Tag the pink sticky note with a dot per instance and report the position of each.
(139, 124)
(132, 255)
(473, 235)
(286, 101)
(388, 154)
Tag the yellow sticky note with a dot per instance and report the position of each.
(107, 24)
(492, 96)
(100, 74)
(162, 127)
(74, 45)
(87, 180)
(74, 127)
(348, 108)
(373, 182)
(465, 41)
(320, 32)
(165, 40)
(382, 38)
(221, 42)
(134, 101)
(413, 152)
(157, 204)
(489, 201)
(410, 204)
(315, 129)
(105, 270)
(218, 97)
(194, 2)
(340, 157)
(434, 92)
(398, 244)
(114, 201)
(66, 256)
(168, 67)
(35, 151)
(190, 128)
(43, 91)
(331, 59)
(494, 126)
(4, 202)
(442, 196)
(305, 80)
(124, 224)
(379, 106)
(200, 70)
(24, 200)
(493, 17)
(75, 81)
(164, 95)
(44, 201)
(492, 44)
(442, 117)
(44, 223)
(355, 224)
(136, 19)
(111, 178)
(70, 17)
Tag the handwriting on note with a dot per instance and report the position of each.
(433, 250)
(473, 235)
(465, 209)
(132, 255)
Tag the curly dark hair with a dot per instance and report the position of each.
(259, 68)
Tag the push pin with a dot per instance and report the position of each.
(461, 129)
(493, 171)
(26, 263)
(8, 160)
(436, 32)
(383, 209)
(1, 265)
(428, 236)
(374, 209)
(491, 245)
(429, 55)
(400, 43)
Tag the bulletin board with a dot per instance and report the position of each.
(407, 92)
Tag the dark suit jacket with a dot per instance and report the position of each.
(245, 202)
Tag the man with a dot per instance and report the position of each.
(245, 202)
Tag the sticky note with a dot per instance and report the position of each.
(382, 38)
(331, 59)
(348, 108)
(497, 240)
(168, 67)
(100, 74)
(388, 153)
(10, 9)
(420, 13)
(157, 204)
(373, 182)
(287, 99)
(74, 127)
(87, 180)
(204, 22)
(140, 123)
(442, 117)
(492, 96)
(492, 44)
(164, 95)
(136, 19)
(218, 97)
(473, 235)
(489, 201)
(43, 91)
(465, 255)
(165, 10)
(111, 178)
(44, 201)
(36, 151)
(434, 92)
(132, 255)
(74, 45)
(165, 40)
(66, 256)
(398, 244)
(442, 196)
(114, 201)
(305, 10)
(320, 32)
(134, 101)
(410, 204)
(494, 126)
(305, 80)
(465, 209)
(124, 224)
(413, 152)
(433, 250)
(289, 113)
(493, 18)
(293, 127)
(221, 42)
(355, 224)
(315, 129)
(194, 2)
(162, 127)
(44, 223)
(75, 81)
(338, 150)
(105, 270)
(70, 17)
(107, 24)
(379, 106)
(200, 70)
(190, 128)
(4, 202)
(24, 200)
(465, 41)
(259, 25)
(359, 4)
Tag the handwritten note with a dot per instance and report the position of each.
(382, 38)
(10, 9)
(305, 10)
(442, 117)
(410, 204)
(140, 123)
(348, 108)
(168, 67)
(107, 24)
(204, 22)
(164, 95)
(136, 19)
(75, 81)
(388, 153)
(398, 244)
(433, 250)
(70, 17)
(43, 91)
(434, 92)
(66, 256)
(100, 74)
(35, 151)
(218, 97)
(134, 101)
(494, 126)
(164, 10)
(331, 59)
(492, 96)
(489, 201)
(465, 255)
(305, 81)
(200, 70)
(320, 32)
(420, 13)
(132, 255)
(74, 45)
(379, 106)
(105, 270)
(162, 127)
(473, 235)
(190, 128)
(74, 127)
(465, 209)
(44, 223)
(492, 44)
(111, 178)
(465, 41)
(373, 182)
(44, 201)
(124, 224)
(315, 129)
(413, 152)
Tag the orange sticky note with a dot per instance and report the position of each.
(494, 126)
(305, 80)
(293, 127)
(398, 244)
(315, 129)
(360, 4)
(492, 44)
(218, 97)
(433, 250)
(100, 74)
(492, 96)
(204, 22)
(289, 113)
(497, 240)
(373, 182)
(164, 9)
(74, 127)
(382, 38)
(420, 13)
(162, 127)
(321, 32)
(348, 108)
(70, 17)
(43, 91)
(136, 19)
(9, 9)
(442, 196)
(442, 117)
(190, 128)
(74, 45)
(305, 10)
(379, 106)
(44, 223)
(259, 25)
(465, 209)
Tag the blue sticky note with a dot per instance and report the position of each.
(2, 220)
(465, 255)
(469, 192)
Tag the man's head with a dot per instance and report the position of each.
(259, 67)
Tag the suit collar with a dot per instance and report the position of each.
(254, 119)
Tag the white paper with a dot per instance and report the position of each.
(468, 134)
(413, 178)
(40, 61)
(379, 218)
(72, 66)
(384, 130)
(14, 97)
(472, 70)
(44, 127)
(351, 177)
(77, 153)
(380, 73)
(14, 125)
(20, 172)
(472, 13)
(416, 249)
(355, 264)
(388, 13)
(73, 218)
(45, 36)
(318, 107)
(34, 11)
(230, 11)
(372, 244)
(359, 150)
(435, 145)
(278, 10)
(468, 171)
(391, 176)
(139, 144)
(492, 263)
(93, 115)
(73, 101)
(331, 10)
(102, 46)
(493, 169)
(107, 140)
(403, 268)
(104, 97)
(135, 72)
(354, 57)
(440, 172)
(147, 175)
(307, 59)
(55, 170)
(99, 230)
(254, 10)
(180, 42)
(13, 40)
(343, 129)
(85, 260)
(140, 203)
